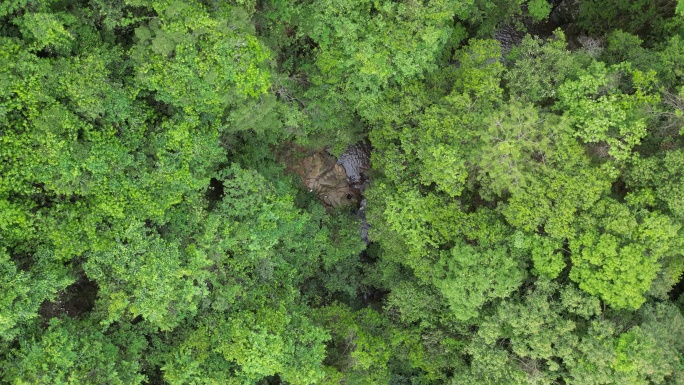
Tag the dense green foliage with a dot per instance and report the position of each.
(526, 200)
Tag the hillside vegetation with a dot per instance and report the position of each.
(525, 200)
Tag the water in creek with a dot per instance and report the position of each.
(356, 162)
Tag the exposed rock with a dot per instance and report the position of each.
(328, 179)
(322, 175)
(336, 182)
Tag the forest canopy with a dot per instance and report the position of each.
(173, 210)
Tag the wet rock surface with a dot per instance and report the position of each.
(508, 36)
(356, 161)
